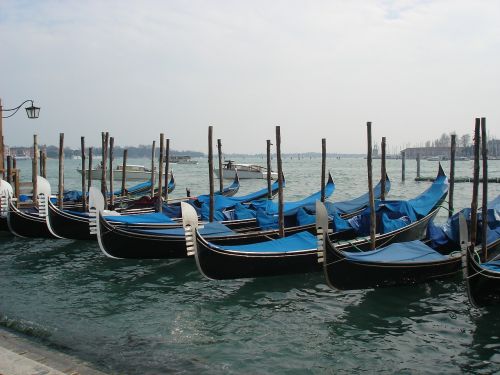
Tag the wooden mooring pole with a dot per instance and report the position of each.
(9, 169)
(60, 186)
(281, 218)
(90, 169)
(451, 188)
(211, 171)
(373, 218)
(475, 185)
(160, 171)
(323, 168)
(105, 140)
(34, 170)
(111, 171)
(84, 190)
(484, 233)
(269, 185)
(383, 170)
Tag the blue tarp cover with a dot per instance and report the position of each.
(296, 242)
(209, 229)
(359, 202)
(404, 252)
(221, 202)
(291, 208)
(401, 212)
(494, 265)
(450, 231)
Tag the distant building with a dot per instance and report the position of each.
(20, 152)
(430, 152)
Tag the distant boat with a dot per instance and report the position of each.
(245, 171)
(134, 173)
(437, 158)
(182, 159)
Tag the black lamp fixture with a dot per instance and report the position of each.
(31, 111)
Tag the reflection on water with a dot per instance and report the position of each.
(153, 317)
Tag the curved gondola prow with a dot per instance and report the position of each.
(321, 229)
(6, 192)
(171, 183)
(96, 204)
(190, 224)
(97, 231)
(43, 211)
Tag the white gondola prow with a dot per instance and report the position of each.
(321, 229)
(190, 224)
(96, 203)
(6, 192)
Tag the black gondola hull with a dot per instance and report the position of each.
(345, 274)
(24, 224)
(118, 242)
(220, 264)
(67, 225)
(483, 285)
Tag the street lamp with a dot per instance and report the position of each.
(31, 111)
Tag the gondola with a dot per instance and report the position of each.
(401, 263)
(150, 242)
(482, 275)
(170, 215)
(122, 241)
(297, 253)
(30, 221)
(74, 224)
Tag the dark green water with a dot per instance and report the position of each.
(150, 317)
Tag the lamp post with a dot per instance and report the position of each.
(31, 111)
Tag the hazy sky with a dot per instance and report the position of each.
(318, 69)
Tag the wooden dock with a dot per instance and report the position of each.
(459, 179)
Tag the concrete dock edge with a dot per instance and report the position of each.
(20, 356)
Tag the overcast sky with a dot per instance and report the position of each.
(318, 69)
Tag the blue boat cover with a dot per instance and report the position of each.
(152, 218)
(295, 242)
(401, 213)
(404, 252)
(209, 229)
(291, 208)
(355, 204)
(450, 231)
(493, 265)
(222, 202)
